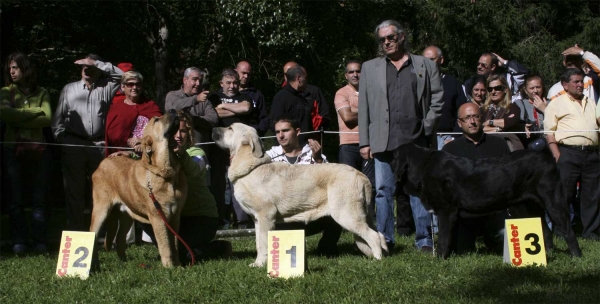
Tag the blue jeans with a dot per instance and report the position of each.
(36, 181)
(422, 223)
(385, 184)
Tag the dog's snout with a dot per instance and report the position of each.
(216, 135)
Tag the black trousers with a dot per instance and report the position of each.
(576, 165)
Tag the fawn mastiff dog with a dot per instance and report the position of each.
(447, 184)
(121, 190)
(278, 192)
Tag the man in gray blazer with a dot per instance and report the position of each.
(400, 102)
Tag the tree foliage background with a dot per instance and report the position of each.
(162, 38)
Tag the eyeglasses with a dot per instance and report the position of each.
(496, 88)
(482, 64)
(132, 84)
(390, 38)
(470, 117)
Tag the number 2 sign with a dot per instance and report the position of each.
(286, 253)
(524, 242)
(75, 255)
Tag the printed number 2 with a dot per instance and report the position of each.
(77, 262)
(535, 243)
(292, 253)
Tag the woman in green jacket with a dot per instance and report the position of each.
(25, 109)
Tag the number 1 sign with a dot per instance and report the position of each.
(75, 255)
(286, 253)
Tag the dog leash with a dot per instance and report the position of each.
(162, 216)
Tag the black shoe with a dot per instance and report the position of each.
(390, 246)
(20, 249)
(41, 249)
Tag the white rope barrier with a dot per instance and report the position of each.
(269, 137)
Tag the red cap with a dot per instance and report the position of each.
(125, 66)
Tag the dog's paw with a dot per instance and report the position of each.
(257, 264)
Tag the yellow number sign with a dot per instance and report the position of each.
(524, 242)
(286, 253)
(75, 255)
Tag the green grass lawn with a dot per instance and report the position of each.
(406, 277)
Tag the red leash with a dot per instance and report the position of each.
(162, 215)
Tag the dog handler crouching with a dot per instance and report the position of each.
(199, 217)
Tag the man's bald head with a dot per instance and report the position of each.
(467, 107)
(286, 67)
(435, 54)
(469, 119)
(244, 71)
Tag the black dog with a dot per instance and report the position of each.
(447, 184)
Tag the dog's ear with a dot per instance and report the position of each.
(256, 145)
(251, 138)
(147, 147)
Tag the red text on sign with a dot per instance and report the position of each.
(275, 257)
(65, 257)
(516, 246)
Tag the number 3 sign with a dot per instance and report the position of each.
(286, 253)
(524, 242)
(75, 255)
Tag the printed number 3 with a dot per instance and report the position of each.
(292, 253)
(535, 243)
(77, 262)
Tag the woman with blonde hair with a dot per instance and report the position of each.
(126, 119)
(500, 114)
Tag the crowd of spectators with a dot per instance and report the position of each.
(396, 98)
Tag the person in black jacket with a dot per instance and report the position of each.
(454, 97)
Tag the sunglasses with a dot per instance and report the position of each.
(470, 117)
(496, 88)
(482, 64)
(390, 38)
(132, 84)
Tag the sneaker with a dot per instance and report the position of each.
(41, 249)
(20, 249)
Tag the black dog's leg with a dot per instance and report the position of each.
(563, 224)
(446, 222)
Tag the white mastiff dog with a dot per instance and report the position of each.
(279, 192)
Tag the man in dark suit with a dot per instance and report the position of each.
(400, 102)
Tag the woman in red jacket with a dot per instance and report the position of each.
(126, 119)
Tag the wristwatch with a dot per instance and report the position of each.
(491, 123)
(581, 53)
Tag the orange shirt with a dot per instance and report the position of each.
(346, 97)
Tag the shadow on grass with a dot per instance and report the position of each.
(531, 285)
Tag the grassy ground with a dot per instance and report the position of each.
(406, 276)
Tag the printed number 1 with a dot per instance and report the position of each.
(535, 243)
(292, 253)
(77, 262)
